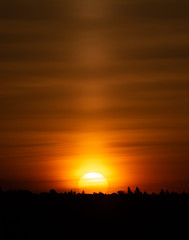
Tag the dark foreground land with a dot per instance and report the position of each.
(24, 215)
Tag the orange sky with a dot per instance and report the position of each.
(94, 86)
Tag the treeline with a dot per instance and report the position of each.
(135, 212)
(128, 193)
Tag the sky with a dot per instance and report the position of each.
(94, 86)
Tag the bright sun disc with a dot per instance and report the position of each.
(93, 182)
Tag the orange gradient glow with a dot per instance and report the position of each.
(94, 87)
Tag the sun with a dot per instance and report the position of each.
(93, 182)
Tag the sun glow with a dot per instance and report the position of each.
(93, 182)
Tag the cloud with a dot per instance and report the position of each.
(31, 10)
(152, 10)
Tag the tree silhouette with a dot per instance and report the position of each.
(53, 192)
(116, 210)
(129, 191)
(162, 192)
(137, 192)
(120, 192)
